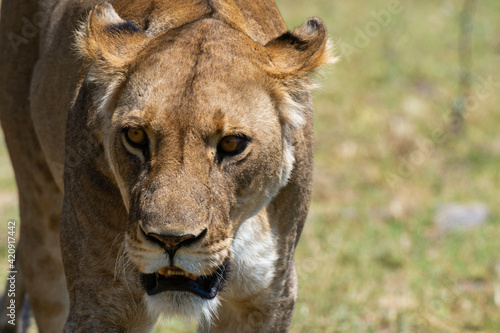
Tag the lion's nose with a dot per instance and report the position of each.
(172, 243)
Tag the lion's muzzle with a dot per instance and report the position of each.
(174, 276)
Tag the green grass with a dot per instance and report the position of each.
(370, 258)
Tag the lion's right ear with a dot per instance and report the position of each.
(107, 41)
(300, 52)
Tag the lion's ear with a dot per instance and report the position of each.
(300, 51)
(109, 40)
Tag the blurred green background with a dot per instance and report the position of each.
(403, 233)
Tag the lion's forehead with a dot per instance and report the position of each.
(208, 92)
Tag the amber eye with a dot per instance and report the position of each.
(135, 136)
(232, 145)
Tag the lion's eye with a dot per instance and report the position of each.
(232, 145)
(135, 137)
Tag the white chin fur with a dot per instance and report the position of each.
(182, 304)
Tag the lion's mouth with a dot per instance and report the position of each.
(175, 279)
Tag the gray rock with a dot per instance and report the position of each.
(450, 217)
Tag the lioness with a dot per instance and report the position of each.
(184, 130)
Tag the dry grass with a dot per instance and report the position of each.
(370, 258)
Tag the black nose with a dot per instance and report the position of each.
(171, 243)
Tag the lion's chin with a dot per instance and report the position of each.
(182, 304)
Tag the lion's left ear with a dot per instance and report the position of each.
(300, 51)
(295, 56)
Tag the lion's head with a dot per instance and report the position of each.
(199, 122)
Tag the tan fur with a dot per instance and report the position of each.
(188, 73)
